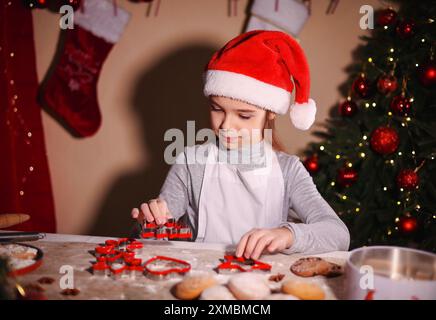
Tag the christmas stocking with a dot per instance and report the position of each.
(71, 91)
(287, 15)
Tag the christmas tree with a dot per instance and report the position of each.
(375, 163)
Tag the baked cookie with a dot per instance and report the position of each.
(249, 286)
(303, 290)
(313, 266)
(218, 292)
(191, 287)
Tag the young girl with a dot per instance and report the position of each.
(251, 204)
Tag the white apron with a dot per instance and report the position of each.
(232, 202)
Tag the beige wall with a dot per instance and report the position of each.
(151, 81)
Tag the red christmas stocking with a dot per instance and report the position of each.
(71, 91)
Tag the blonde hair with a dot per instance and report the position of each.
(270, 124)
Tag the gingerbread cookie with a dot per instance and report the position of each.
(303, 290)
(249, 286)
(191, 287)
(313, 266)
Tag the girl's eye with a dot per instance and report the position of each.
(244, 117)
(215, 109)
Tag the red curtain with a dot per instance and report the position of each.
(24, 174)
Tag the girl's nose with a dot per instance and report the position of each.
(227, 123)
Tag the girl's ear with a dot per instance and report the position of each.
(271, 115)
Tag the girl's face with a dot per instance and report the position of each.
(237, 123)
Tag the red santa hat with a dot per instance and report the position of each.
(262, 68)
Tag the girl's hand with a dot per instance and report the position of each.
(155, 210)
(256, 241)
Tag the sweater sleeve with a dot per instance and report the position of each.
(321, 229)
(175, 188)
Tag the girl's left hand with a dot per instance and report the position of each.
(256, 241)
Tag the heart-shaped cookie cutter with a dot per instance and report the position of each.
(165, 268)
(233, 264)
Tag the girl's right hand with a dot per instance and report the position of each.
(154, 210)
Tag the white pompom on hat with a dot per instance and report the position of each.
(262, 68)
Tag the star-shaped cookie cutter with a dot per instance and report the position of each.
(233, 264)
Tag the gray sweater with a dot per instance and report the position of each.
(315, 226)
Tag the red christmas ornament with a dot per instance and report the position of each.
(384, 140)
(406, 29)
(311, 164)
(408, 225)
(362, 87)
(427, 74)
(400, 105)
(407, 179)
(347, 108)
(387, 84)
(386, 17)
(346, 176)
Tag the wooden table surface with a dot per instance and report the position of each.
(76, 251)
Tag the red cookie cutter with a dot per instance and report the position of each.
(161, 233)
(100, 268)
(128, 255)
(135, 270)
(233, 264)
(148, 233)
(185, 232)
(173, 233)
(135, 247)
(151, 225)
(171, 230)
(113, 243)
(114, 257)
(103, 250)
(170, 223)
(160, 267)
(118, 272)
(133, 261)
(122, 244)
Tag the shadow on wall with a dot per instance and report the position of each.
(165, 96)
